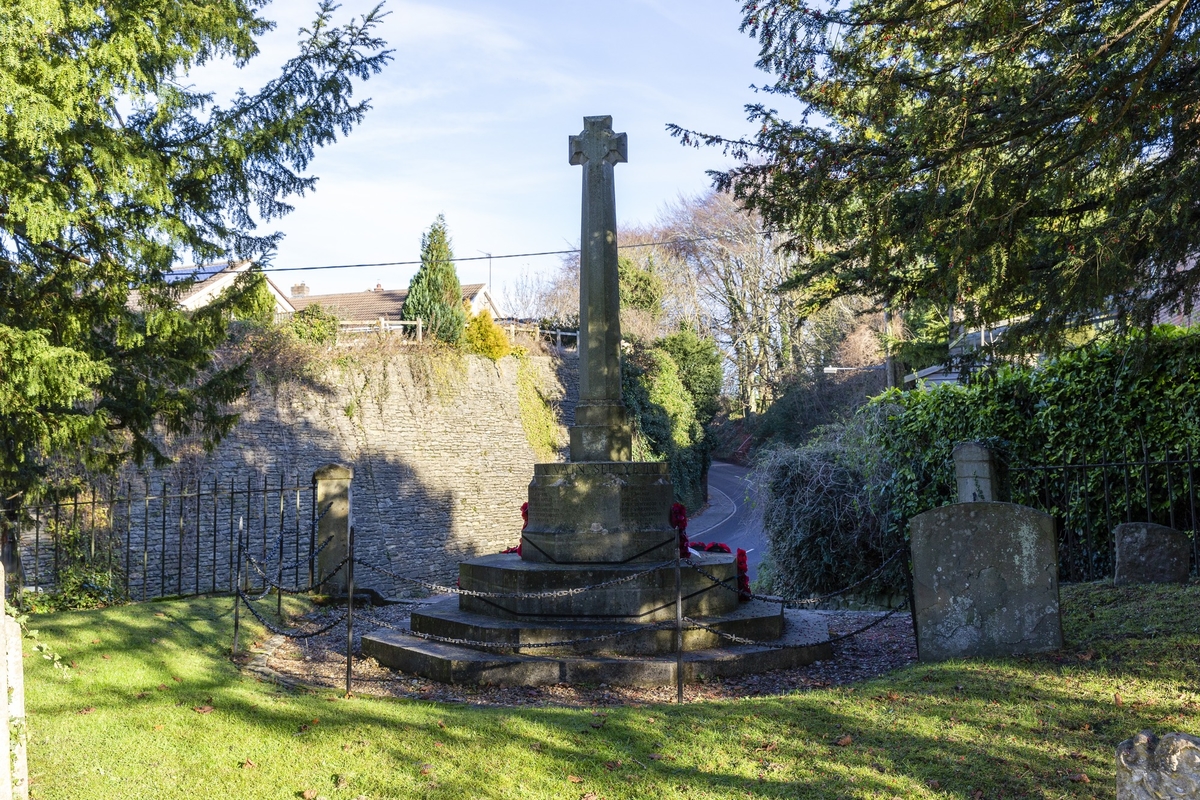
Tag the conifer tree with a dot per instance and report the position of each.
(1027, 159)
(434, 294)
(114, 171)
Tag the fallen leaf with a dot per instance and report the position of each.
(106, 657)
(347, 746)
(95, 641)
(309, 794)
(176, 679)
(141, 695)
(978, 794)
(768, 747)
(612, 765)
(1079, 778)
(438, 744)
(316, 722)
(162, 687)
(202, 709)
(87, 710)
(933, 784)
(426, 769)
(536, 747)
(650, 720)
(441, 724)
(248, 764)
(1117, 699)
(655, 756)
(589, 796)
(574, 779)
(599, 724)
(159, 614)
(340, 781)
(845, 741)
(158, 727)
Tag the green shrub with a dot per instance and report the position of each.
(538, 419)
(700, 371)
(825, 512)
(664, 420)
(314, 324)
(484, 337)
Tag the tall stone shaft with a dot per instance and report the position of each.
(601, 431)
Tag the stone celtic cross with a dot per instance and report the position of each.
(601, 431)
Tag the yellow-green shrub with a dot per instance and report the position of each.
(484, 337)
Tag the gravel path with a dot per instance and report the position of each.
(321, 662)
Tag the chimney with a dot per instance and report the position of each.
(299, 289)
(379, 287)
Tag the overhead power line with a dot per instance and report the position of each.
(506, 255)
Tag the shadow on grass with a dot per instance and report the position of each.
(989, 729)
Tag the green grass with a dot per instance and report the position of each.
(1005, 728)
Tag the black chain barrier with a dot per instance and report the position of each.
(795, 604)
(283, 631)
(435, 587)
(662, 626)
(681, 623)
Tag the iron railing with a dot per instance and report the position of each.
(138, 541)
(1092, 494)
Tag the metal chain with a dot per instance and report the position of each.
(773, 646)
(769, 598)
(290, 565)
(284, 632)
(296, 590)
(663, 626)
(434, 587)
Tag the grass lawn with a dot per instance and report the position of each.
(125, 723)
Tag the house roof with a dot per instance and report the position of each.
(210, 281)
(373, 304)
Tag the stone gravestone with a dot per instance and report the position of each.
(975, 472)
(1149, 553)
(1150, 768)
(985, 581)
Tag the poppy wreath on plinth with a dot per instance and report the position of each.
(678, 518)
(743, 571)
(524, 525)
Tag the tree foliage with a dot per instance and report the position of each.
(641, 287)
(112, 171)
(434, 294)
(1031, 159)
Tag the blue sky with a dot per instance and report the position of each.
(471, 120)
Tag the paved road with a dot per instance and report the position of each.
(731, 517)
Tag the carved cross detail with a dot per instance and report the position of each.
(598, 143)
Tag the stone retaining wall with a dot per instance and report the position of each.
(441, 461)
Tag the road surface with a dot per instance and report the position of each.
(731, 516)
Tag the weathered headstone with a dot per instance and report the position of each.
(985, 581)
(975, 473)
(1153, 768)
(332, 483)
(1149, 553)
(601, 431)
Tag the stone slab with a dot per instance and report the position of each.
(649, 597)
(1153, 768)
(1149, 553)
(600, 512)
(985, 581)
(804, 639)
(754, 620)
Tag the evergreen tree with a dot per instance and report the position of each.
(434, 294)
(113, 171)
(1015, 158)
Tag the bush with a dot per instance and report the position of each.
(484, 337)
(664, 420)
(824, 510)
(314, 324)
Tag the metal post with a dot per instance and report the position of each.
(237, 588)
(678, 631)
(350, 613)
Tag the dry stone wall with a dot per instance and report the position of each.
(441, 461)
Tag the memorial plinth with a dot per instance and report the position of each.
(603, 521)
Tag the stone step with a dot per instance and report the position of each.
(753, 620)
(647, 598)
(804, 641)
